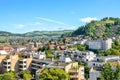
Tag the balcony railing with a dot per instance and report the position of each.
(6, 60)
(21, 68)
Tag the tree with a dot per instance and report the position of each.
(87, 69)
(117, 42)
(110, 74)
(107, 73)
(117, 73)
(26, 75)
(7, 76)
(81, 47)
(54, 74)
(49, 53)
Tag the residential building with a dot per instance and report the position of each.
(76, 72)
(97, 65)
(39, 55)
(100, 44)
(15, 63)
(77, 55)
(100, 61)
(25, 62)
(83, 55)
(95, 73)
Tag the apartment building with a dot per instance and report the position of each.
(76, 72)
(95, 73)
(15, 63)
(97, 65)
(77, 55)
(83, 56)
(100, 44)
(25, 62)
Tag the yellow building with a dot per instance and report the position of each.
(14, 62)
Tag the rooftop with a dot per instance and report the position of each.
(58, 63)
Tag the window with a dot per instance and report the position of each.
(98, 78)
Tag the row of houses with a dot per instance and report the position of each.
(100, 44)
(35, 62)
(95, 63)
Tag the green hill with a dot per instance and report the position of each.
(46, 33)
(106, 27)
(36, 33)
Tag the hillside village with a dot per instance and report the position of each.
(81, 57)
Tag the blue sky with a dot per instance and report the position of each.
(20, 16)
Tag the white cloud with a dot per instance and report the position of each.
(65, 27)
(21, 26)
(88, 19)
(35, 24)
(53, 21)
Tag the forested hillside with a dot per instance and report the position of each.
(106, 27)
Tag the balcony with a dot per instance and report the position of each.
(34, 68)
(35, 64)
(21, 68)
(7, 69)
(22, 60)
(6, 60)
(6, 65)
(22, 64)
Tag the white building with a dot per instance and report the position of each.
(100, 44)
(21, 48)
(99, 61)
(94, 74)
(97, 64)
(39, 55)
(65, 59)
(83, 55)
(2, 52)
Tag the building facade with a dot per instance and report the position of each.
(100, 44)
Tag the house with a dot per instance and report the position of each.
(3, 52)
(7, 48)
(39, 55)
(62, 47)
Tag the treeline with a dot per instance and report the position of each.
(108, 73)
